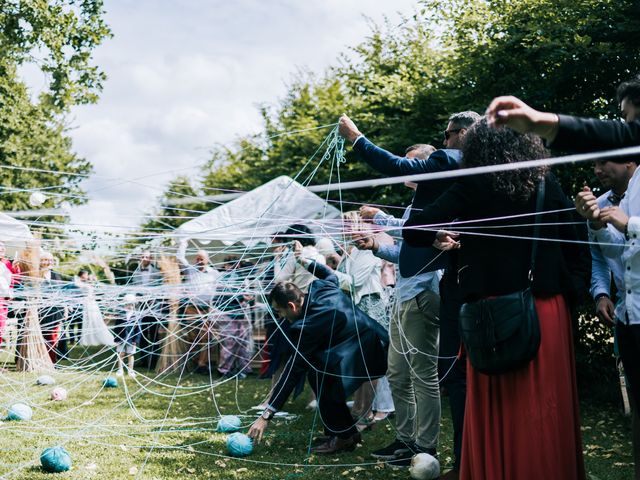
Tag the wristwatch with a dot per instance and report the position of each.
(267, 414)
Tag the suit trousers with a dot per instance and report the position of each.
(413, 369)
(332, 405)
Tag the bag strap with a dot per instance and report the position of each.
(536, 228)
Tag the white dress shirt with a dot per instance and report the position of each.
(602, 267)
(616, 244)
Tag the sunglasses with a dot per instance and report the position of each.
(448, 133)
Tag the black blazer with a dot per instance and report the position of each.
(589, 134)
(334, 336)
(413, 260)
(495, 256)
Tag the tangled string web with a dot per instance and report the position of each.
(209, 333)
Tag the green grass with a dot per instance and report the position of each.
(141, 430)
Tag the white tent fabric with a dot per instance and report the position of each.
(257, 215)
(14, 234)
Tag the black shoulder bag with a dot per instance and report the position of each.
(502, 333)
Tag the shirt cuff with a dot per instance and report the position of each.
(357, 138)
(633, 228)
(380, 218)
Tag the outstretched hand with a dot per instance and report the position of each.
(616, 217)
(517, 115)
(256, 431)
(347, 129)
(587, 205)
(446, 241)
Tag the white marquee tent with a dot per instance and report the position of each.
(252, 219)
(14, 234)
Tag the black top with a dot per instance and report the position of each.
(496, 254)
(589, 134)
(334, 336)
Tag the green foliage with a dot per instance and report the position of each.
(402, 82)
(57, 38)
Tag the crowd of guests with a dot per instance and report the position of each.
(459, 241)
(462, 241)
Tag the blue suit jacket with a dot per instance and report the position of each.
(414, 260)
(333, 337)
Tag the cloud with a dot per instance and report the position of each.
(186, 75)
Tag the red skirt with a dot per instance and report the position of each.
(525, 425)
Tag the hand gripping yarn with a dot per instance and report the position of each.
(110, 382)
(20, 411)
(58, 394)
(424, 467)
(45, 380)
(55, 459)
(239, 445)
(228, 424)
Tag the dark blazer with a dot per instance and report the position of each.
(414, 260)
(495, 256)
(52, 310)
(589, 134)
(335, 337)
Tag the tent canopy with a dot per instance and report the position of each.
(14, 234)
(256, 216)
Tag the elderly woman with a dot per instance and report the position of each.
(524, 423)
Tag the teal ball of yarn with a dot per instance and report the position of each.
(110, 382)
(239, 445)
(55, 459)
(20, 411)
(228, 424)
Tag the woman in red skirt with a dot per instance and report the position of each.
(524, 424)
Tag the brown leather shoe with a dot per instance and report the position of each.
(336, 445)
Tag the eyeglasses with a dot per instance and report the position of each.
(448, 133)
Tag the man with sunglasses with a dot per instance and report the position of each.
(413, 261)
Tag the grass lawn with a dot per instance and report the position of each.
(164, 428)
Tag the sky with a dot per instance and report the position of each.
(185, 75)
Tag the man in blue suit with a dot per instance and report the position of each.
(337, 345)
(414, 262)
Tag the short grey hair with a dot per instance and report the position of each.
(464, 119)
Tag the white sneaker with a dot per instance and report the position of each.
(120, 373)
(312, 405)
(132, 373)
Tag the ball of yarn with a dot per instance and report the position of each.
(36, 199)
(45, 380)
(424, 467)
(55, 459)
(239, 445)
(58, 394)
(110, 382)
(20, 411)
(228, 424)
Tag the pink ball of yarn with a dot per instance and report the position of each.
(58, 394)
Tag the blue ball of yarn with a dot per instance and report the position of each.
(228, 424)
(239, 445)
(110, 382)
(55, 459)
(20, 411)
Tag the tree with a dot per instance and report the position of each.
(58, 37)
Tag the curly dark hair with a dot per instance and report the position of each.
(494, 146)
